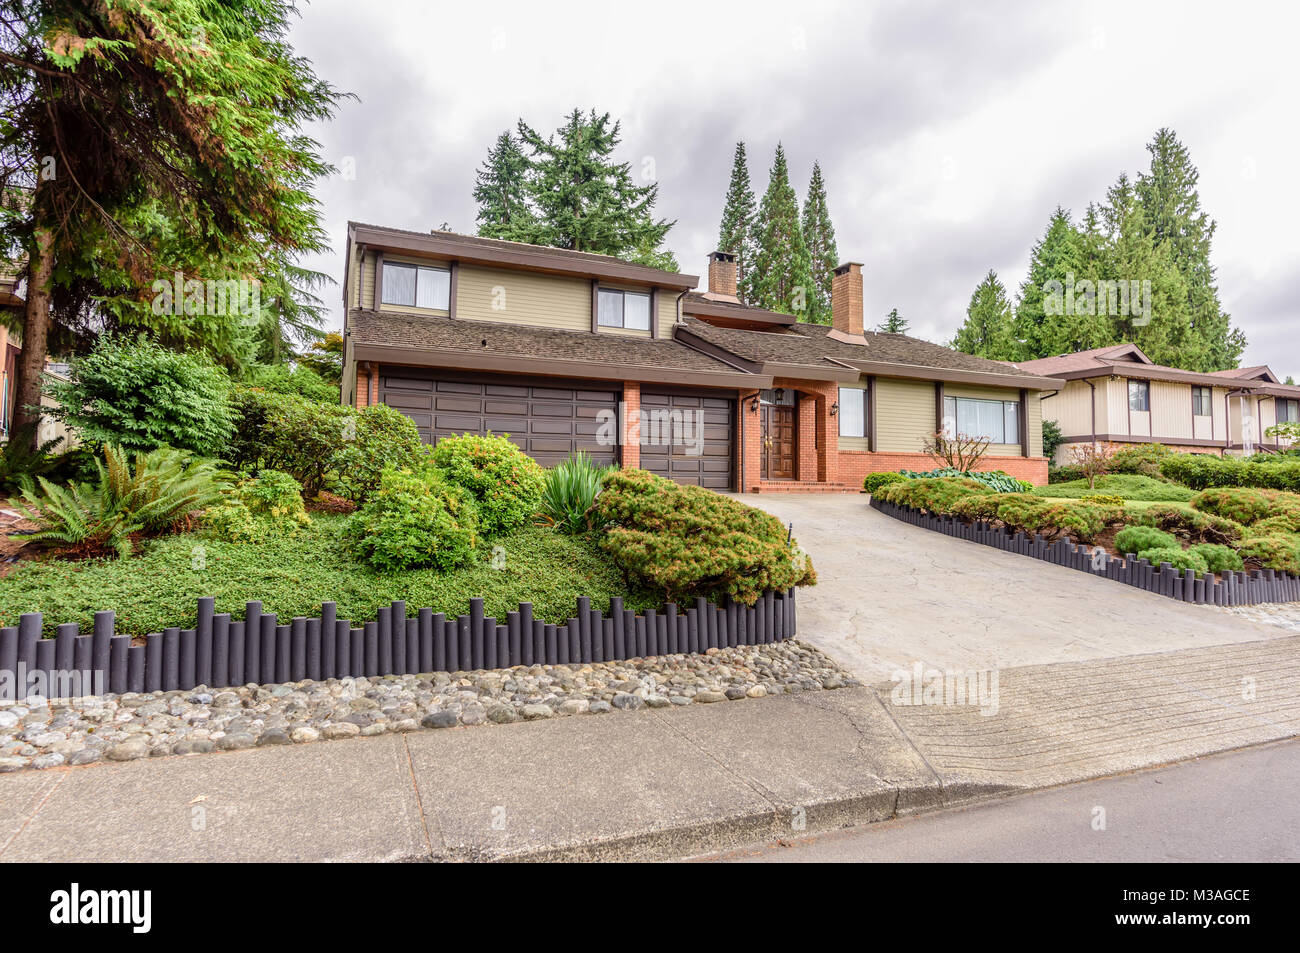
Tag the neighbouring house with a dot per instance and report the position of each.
(565, 350)
(1118, 395)
(11, 306)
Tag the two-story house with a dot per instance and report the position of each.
(1118, 395)
(565, 350)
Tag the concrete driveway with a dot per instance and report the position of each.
(890, 595)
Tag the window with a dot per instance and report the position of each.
(417, 286)
(623, 309)
(1288, 411)
(997, 421)
(1201, 398)
(853, 412)
(1139, 395)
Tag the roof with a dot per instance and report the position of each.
(1127, 360)
(488, 345)
(1097, 358)
(702, 304)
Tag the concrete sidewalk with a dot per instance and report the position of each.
(657, 783)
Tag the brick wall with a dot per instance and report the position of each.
(631, 455)
(363, 386)
(856, 464)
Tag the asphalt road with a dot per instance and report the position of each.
(1239, 806)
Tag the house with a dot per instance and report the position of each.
(11, 308)
(1118, 395)
(565, 350)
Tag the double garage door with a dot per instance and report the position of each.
(549, 419)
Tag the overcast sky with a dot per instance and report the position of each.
(947, 132)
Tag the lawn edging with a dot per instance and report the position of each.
(221, 651)
(1229, 589)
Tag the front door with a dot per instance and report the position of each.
(778, 428)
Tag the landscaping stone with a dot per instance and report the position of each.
(708, 697)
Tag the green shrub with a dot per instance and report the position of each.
(505, 482)
(1052, 438)
(415, 520)
(980, 506)
(1191, 526)
(685, 541)
(1177, 557)
(20, 458)
(138, 395)
(1219, 558)
(1102, 499)
(1056, 518)
(147, 493)
(384, 438)
(1135, 539)
(274, 494)
(1064, 474)
(996, 480)
(569, 492)
(932, 495)
(1127, 485)
(1202, 471)
(1245, 506)
(1272, 552)
(288, 433)
(874, 481)
(231, 521)
(301, 380)
(1141, 459)
(266, 507)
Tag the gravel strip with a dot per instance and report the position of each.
(40, 734)
(1283, 614)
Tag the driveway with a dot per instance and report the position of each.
(890, 594)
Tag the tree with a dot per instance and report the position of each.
(501, 191)
(148, 141)
(989, 330)
(291, 312)
(585, 201)
(819, 236)
(782, 277)
(325, 357)
(736, 233)
(1057, 254)
(894, 323)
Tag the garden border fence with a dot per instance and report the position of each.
(221, 651)
(1232, 589)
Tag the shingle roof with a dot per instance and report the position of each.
(1077, 361)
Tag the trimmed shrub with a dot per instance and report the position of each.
(1102, 499)
(383, 438)
(874, 481)
(1142, 459)
(414, 520)
(288, 433)
(1272, 552)
(1056, 518)
(569, 492)
(1191, 526)
(686, 541)
(1177, 557)
(1219, 558)
(980, 506)
(1247, 506)
(932, 495)
(1064, 474)
(504, 481)
(1202, 471)
(137, 395)
(1135, 539)
(1127, 485)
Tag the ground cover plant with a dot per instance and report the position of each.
(1128, 486)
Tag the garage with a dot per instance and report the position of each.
(548, 418)
(689, 436)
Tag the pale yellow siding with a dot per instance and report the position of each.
(1116, 419)
(1072, 408)
(521, 297)
(905, 416)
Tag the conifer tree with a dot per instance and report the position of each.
(736, 233)
(988, 330)
(782, 278)
(894, 323)
(501, 191)
(819, 236)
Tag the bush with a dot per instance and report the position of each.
(980, 506)
(505, 482)
(1192, 526)
(932, 495)
(1202, 471)
(1056, 518)
(1052, 439)
(1219, 558)
(1246, 506)
(1177, 557)
(1102, 499)
(1126, 485)
(299, 380)
(1272, 552)
(996, 480)
(685, 541)
(1141, 459)
(414, 520)
(288, 433)
(1064, 474)
(569, 492)
(1136, 539)
(384, 438)
(874, 481)
(263, 508)
(138, 395)
(19, 458)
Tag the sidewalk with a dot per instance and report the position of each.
(656, 783)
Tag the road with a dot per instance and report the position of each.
(1234, 807)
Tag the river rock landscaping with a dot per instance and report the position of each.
(46, 734)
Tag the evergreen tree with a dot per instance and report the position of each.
(584, 200)
(894, 323)
(501, 192)
(736, 234)
(782, 277)
(819, 236)
(291, 311)
(989, 329)
(1057, 254)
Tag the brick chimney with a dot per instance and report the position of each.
(846, 299)
(722, 276)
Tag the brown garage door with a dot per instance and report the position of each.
(689, 436)
(547, 418)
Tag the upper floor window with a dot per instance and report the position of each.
(417, 286)
(623, 309)
(853, 412)
(1288, 411)
(997, 421)
(1201, 401)
(1139, 395)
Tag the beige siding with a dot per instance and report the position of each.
(1072, 409)
(905, 414)
(1116, 418)
(521, 297)
(1035, 424)
(667, 312)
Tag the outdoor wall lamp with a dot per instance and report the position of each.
(779, 394)
(835, 408)
(753, 405)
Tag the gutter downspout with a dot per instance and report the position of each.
(1093, 403)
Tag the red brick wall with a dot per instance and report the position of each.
(363, 385)
(632, 439)
(749, 438)
(856, 464)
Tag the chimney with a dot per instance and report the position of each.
(846, 299)
(722, 276)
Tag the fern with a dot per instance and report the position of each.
(19, 459)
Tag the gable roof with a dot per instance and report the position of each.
(1127, 360)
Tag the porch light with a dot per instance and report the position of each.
(779, 394)
(753, 405)
(835, 408)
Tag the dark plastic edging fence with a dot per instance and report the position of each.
(1230, 589)
(221, 651)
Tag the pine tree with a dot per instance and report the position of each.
(585, 201)
(894, 323)
(736, 233)
(501, 192)
(1057, 254)
(989, 328)
(819, 236)
(782, 277)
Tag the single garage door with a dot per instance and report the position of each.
(689, 436)
(547, 418)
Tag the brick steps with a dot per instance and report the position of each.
(800, 486)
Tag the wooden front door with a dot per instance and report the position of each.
(779, 442)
